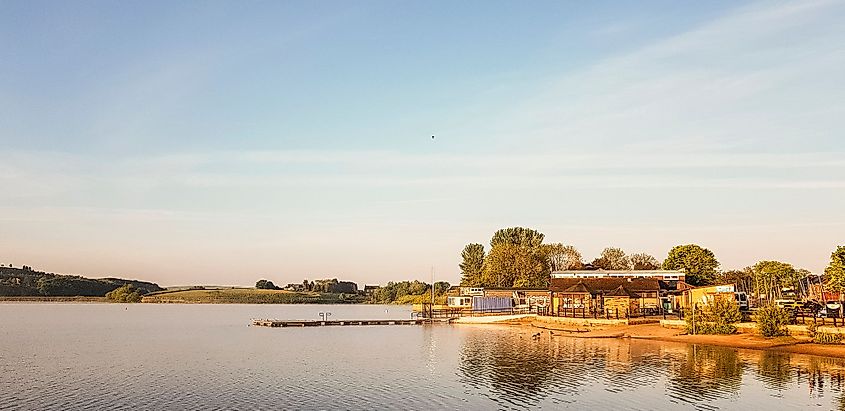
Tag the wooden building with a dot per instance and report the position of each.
(596, 294)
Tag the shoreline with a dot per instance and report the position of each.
(657, 332)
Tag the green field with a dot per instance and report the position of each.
(249, 296)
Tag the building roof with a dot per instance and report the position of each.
(631, 273)
(577, 288)
(621, 291)
(605, 285)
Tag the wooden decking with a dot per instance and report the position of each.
(320, 323)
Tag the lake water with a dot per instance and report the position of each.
(149, 356)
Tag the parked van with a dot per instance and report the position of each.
(742, 301)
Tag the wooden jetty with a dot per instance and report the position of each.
(320, 323)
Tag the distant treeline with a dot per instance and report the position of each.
(409, 292)
(331, 285)
(25, 281)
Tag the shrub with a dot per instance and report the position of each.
(125, 294)
(827, 338)
(717, 317)
(812, 329)
(772, 321)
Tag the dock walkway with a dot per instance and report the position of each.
(320, 323)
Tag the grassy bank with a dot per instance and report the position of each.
(249, 296)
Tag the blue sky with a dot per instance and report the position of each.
(220, 142)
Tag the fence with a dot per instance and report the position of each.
(428, 312)
(607, 313)
(807, 316)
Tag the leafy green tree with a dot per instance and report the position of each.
(563, 257)
(441, 287)
(613, 259)
(835, 270)
(265, 285)
(520, 236)
(515, 266)
(124, 294)
(643, 261)
(517, 258)
(699, 263)
(472, 266)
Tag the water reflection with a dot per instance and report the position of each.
(515, 370)
(701, 373)
(522, 371)
(774, 370)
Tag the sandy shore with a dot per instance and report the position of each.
(798, 345)
(655, 332)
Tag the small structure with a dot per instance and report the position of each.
(576, 296)
(485, 299)
(472, 291)
(459, 301)
(621, 302)
(703, 295)
(370, 289)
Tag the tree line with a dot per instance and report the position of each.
(518, 258)
(409, 292)
(318, 286)
(25, 281)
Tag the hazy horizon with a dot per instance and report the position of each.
(221, 143)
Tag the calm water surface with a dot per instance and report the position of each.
(148, 356)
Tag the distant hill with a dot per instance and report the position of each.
(28, 282)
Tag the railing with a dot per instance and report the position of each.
(429, 313)
(808, 316)
(609, 313)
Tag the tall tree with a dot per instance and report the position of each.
(643, 261)
(835, 270)
(699, 263)
(472, 265)
(517, 258)
(510, 265)
(563, 257)
(613, 258)
(521, 236)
